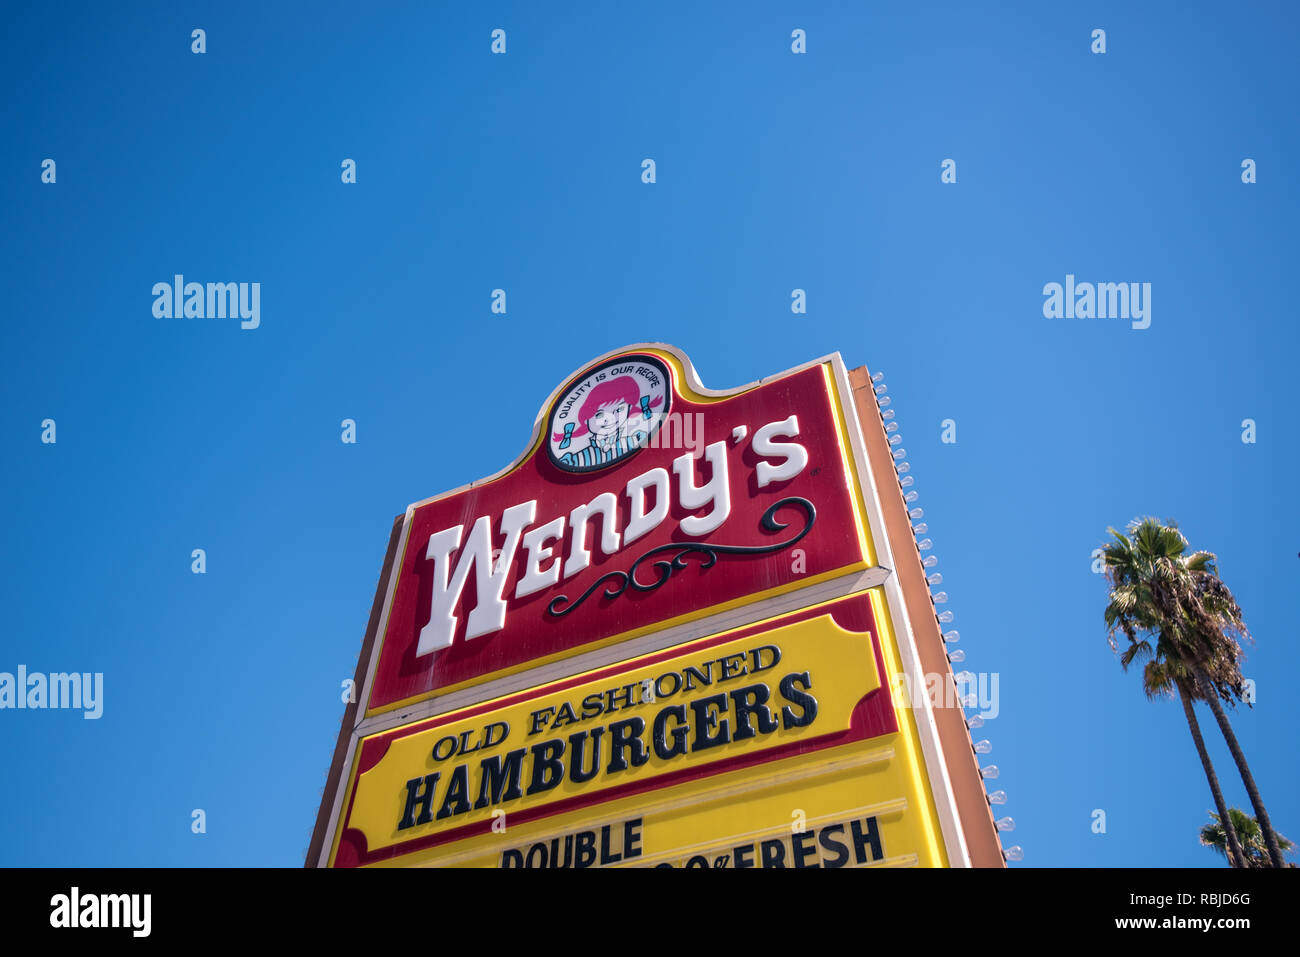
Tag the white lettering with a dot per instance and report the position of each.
(490, 613)
(535, 579)
(641, 522)
(795, 456)
(716, 492)
(606, 504)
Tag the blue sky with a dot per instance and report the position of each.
(775, 171)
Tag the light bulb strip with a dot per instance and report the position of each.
(950, 637)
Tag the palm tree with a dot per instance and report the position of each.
(1156, 587)
(1158, 590)
(1213, 611)
(1248, 831)
(1164, 673)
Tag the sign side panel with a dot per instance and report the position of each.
(976, 816)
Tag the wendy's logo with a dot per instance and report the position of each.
(607, 413)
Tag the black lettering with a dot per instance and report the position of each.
(861, 840)
(803, 846)
(539, 719)
(548, 769)
(586, 849)
(568, 852)
(456, 800)
(425, 800)
(729, 669)
(593, 706)
(625, 695)
(464, 744)
(804, 700)
(623, 735)
(512, 858)
(835, 847)
(492, 787)
(565, 716)
(705, 676)
(704, 720)
(679, 733)
(752, 699)
(744, 855)
(577, 747)
(542, 861)
(632, 838)
(606, 855)
(444, 757)
(774, 852)
(677, 684)
(758, 658)
(488, 741)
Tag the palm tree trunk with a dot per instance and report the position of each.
(1266, 826)
(1236, 858)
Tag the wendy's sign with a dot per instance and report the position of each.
(677, 615)
(644, 501)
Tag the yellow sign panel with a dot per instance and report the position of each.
(776, 744)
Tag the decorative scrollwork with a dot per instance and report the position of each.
(617, 582)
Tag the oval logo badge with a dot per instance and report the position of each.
(608, 413)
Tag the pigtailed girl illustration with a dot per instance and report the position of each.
(615, 419)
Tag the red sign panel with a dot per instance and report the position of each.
(643, 503)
